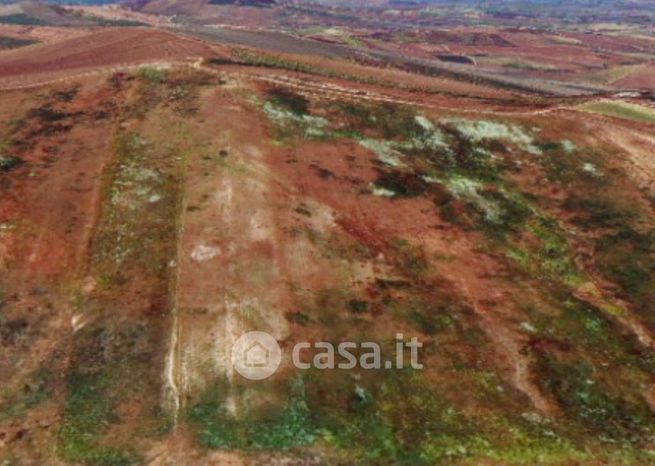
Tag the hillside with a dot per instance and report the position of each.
(162, 194)
(34, 13)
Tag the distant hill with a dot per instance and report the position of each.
(66, 2)
(32, 13)
(201, 11)
(39, 14)
(255, 3)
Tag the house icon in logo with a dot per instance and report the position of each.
(256, 355)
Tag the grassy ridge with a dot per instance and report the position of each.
(623, 110)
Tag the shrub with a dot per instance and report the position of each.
(22, 19)
(8, 163)
(289, 100)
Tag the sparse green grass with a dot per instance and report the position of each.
(401, 418)
(270, 61)
(591, 403)
(291, 115)
(137, 229)
(459, 409)
(550, 259)
(12, 42)
(385, 121)
(153, 75)
(37, 389)
(117, 359)
(329, 70)
(528, 65)
(410, 258)
(627, 257)
(511, 214)
(271, 428)
(289, 100)
(508, 218)
(624, 110)
(625, 250)
(515, 63)
(613, 74)
(336, 246)
(126, 23)
(429, 317)
(401, 184)
(105, 360)
(22, 19)
(175, 89)
(8, 163)
(466, 157)
(590, 331)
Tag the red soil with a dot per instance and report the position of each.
(102, 49)
(54, 194)
(643, 78)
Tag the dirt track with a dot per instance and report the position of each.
(309, 88)
(133, 45)
(121, 50)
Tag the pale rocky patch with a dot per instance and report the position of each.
(202, 253)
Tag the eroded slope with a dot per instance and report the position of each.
(150, 219)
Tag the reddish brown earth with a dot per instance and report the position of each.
(561, 56)
(114, 47)
(641, 79)
(157, 215)
(43, 34)
(52, 203)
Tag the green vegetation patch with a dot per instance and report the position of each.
(8, 163)
(13, 43)
(283, 97)
(401, 184)
(384, 121)
(253, 58)
(22, 19)
(549, 257)
(117, 357)
(481, 130)
(592, 404)
(264, 428)
(624, 110)
(402, 418)
(37, 389)
(106, 357)
(630, 260)
(137, 230)
(176, 89)
(126, 23)
(625, 247)
(582, 328)
(290, 113)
